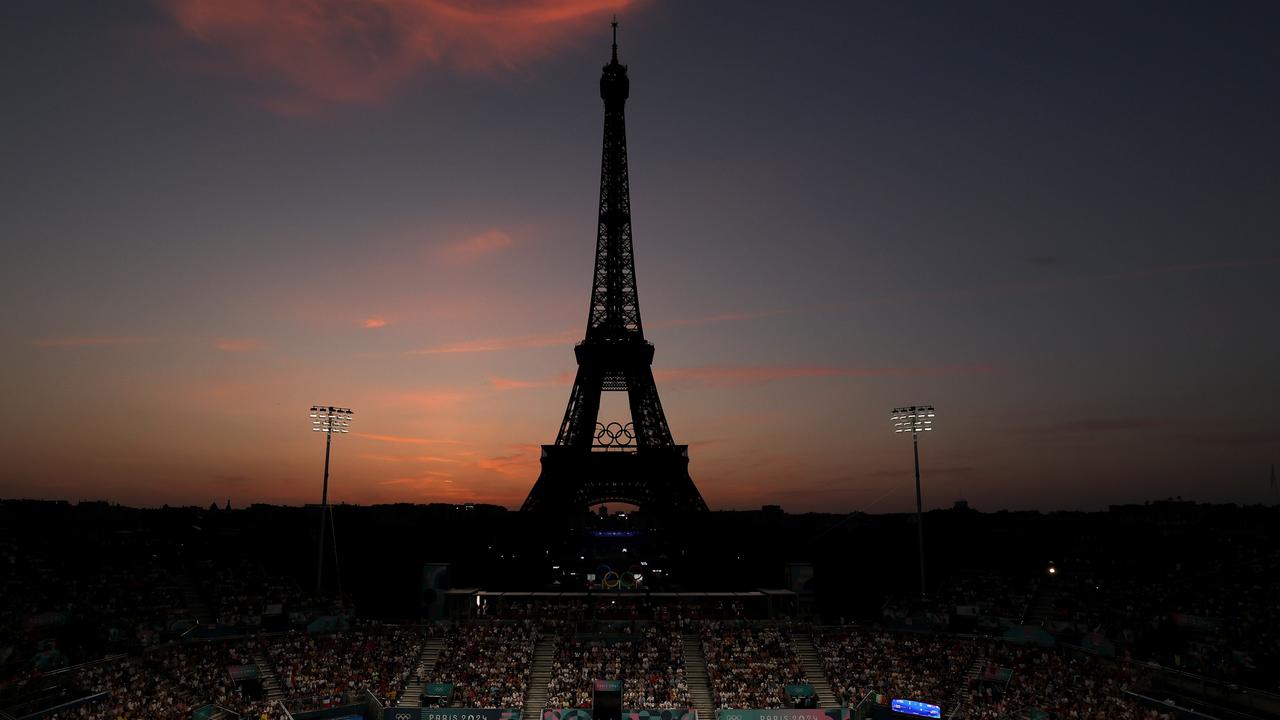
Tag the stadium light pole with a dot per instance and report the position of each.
(328, 420)
(915, 419)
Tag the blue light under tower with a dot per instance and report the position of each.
(914, 707)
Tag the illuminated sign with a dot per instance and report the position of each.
(608, 685)
(913, 707)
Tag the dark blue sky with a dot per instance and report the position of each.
(1057, 224)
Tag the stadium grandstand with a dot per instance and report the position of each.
(148, 620)
(486, 664)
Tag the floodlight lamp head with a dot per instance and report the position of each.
(329, 419)
(913, 419)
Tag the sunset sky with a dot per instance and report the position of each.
(1059, 224)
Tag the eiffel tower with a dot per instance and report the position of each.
(593, 462)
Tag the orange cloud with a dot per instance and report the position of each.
(420, 480)
(410, 458)
(477, 246)
(567, 337)
(237, 345)
(308, 54)
(374, 323)
(88, 341)
(401, 440)
(522, 462)
(425, 399)
(500, 383)
(440, 487)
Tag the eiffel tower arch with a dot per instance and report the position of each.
(595, 460)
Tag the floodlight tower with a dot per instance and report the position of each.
(328, 420)
(915, 419)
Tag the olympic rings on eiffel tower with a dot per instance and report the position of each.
(615, 434)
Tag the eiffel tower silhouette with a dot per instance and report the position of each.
(593, 462)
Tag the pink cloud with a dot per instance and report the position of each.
(567, 337)
(238, 345)
(374, 323)
(304, 55)
(89, 341)
(477, 246)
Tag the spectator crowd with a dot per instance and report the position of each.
(488, 663)
(749, 666)
(649, 661)
(981, 679)
(918, 667)
(380, 660)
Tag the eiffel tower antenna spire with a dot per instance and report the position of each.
(647, 467)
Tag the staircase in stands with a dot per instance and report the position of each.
(695, 675)
(412, 696)
(267, 673)
(813, 672)
(964, 693)
(1041, 609)
(535, 698)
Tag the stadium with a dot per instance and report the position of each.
(615, 591)
(184, 612)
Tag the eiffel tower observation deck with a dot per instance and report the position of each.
(595, 461)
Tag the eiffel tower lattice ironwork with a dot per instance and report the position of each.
(593, 462)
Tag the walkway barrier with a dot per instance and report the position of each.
(783, 714)
(585, 714)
